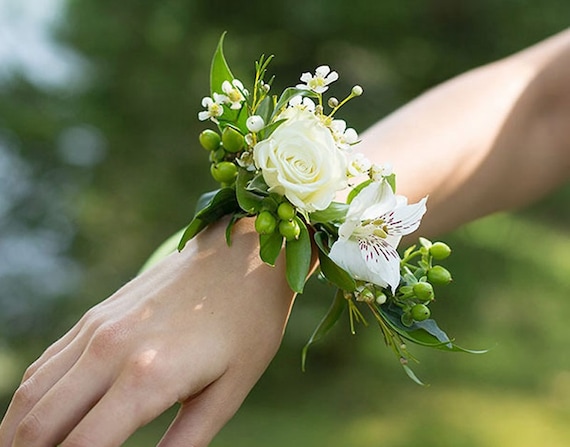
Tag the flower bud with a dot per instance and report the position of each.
(423, 291)
(438, 275)
(289, 229)
(439, 251)
(232, 140)
(420, 312)
(286, 211)
(332, 102)
(224, 172)
(255, 123)
(366, 296)
(209, 139)
(381, 298)
(357, 90)
(265, 223)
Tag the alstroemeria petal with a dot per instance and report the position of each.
(347, 254)
(406, 219)
(381, 259)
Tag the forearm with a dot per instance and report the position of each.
(494, 138)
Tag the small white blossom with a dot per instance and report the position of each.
(344, 137)
(303, 103)
(245, 160)
(320, 81)
(378, 172)
(375, 222)
(235, 93)
(214, 107)
(255, 123)
(358, 164)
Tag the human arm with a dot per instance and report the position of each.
(494, 138)
(199, 328)
(469, 140)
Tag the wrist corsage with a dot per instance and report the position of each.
(282, 159)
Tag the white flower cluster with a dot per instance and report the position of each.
(233, 96)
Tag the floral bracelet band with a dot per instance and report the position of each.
(282, 159)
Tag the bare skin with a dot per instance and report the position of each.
(494, 138)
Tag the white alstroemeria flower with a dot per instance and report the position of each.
(344, 137)
(235, 93)
(376, 221)
(318, 83)
(214, 107)
(303, 103)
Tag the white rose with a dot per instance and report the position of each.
(301, 161)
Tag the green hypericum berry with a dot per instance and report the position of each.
(224, 172)
(289, 229)
(286, 211)
(423, 291)
(217, 155)
(420, 312)
(232, 140)
(210, 140)
(439, 251)
(438, 275)
(265, 223)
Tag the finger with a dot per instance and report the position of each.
(32, 390)
(144, 390)
(201, 418)
(63, 406)
(52, 351)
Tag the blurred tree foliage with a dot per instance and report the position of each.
(111, 164)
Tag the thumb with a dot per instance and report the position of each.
(203, 416)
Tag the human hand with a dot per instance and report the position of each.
(199, 328)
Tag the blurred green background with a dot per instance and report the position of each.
(99, 163)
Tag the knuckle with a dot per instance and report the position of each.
(29, 430)
(26, 395)
(108, 339)
(143, 369)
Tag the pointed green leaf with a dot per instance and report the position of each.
(219, 71)
(298, 259)
(335, 274)
(270, 247)
(412, 375)
(326, 324)
(222, 203)
(335, 212)
(248, 200)
(354, 191)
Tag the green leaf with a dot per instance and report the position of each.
(354, 191)
(298, 259)
(330, 270)
(326, 324)
(270, 247)
(222, 203)
(219, 71)
(163, 250)
(287, 95)
(391, 179)
(269, 129)
(412, 375)
(258, 185)
(235, 217)
(335, 212)
(265, 109)
(249, 201)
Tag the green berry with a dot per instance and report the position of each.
(289, 229)
(423, 291)
(439, 251)
(286, 211)
(224, 172)
(265, 223)
(420, 312)
(210, 140)
(217, 155)
(438, 275)
(232, 140)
